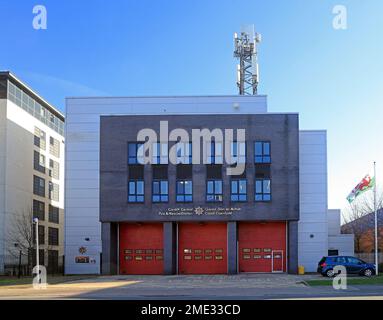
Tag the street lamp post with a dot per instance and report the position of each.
(36, 222)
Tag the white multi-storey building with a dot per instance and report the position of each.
(31, 175)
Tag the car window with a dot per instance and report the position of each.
(353, 260)
(341, 260)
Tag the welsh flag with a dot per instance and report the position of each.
(366, 184)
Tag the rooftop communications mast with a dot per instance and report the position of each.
(246, 52)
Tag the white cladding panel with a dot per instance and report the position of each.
(333, 218)
(344, 243)
(312, 226)
(82, 155)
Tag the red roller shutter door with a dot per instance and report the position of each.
(262, 247)
(141, 248)
(202, 248)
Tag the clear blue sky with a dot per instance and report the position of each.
(333, 78)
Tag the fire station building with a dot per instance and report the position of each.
(126, 216)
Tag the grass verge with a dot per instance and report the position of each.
(350, 281)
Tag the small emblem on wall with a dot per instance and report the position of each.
(198, 211)
(82, 250)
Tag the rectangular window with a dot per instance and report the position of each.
(160, 153)
(53, 236)
(262, 152)
(53, 261)
(333, 253)
(136, 191)
(214, 191)
(238, 152)
(39, 210)
(238, 190)
(53, 214)
(40, 138)
(54, 169)
(135, 153)
(54, 193)
(39, 162)
(39, 186)
(184, 153)
(184, 191)
(262, 190)
(214, 152)
(160, 191)
(54, 147)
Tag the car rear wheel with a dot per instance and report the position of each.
(367, 273)
(330, 273)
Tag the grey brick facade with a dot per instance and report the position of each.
(281, 130)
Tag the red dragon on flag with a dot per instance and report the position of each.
(366, 184)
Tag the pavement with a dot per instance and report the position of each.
(215, 287)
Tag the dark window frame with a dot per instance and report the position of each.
(53, 191)
(212, 158)
(180, 158)
(54, 169)
(36, 162)
(40, 138)
(265, 196)
(54, 214)
(53, 236)
(237, 193)
(136, 197)
(214, 194)
(134, 159)
(54, 147)
(39, 212)
(186, 197)
(263, 157)
(38, 190)
(162, 197)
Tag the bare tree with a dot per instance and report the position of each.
(21, 234)
(358, 218)
(367, 201)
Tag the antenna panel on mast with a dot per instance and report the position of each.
(246, 52)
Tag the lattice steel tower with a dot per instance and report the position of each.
(246, 52)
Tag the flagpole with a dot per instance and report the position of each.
(376, 225)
